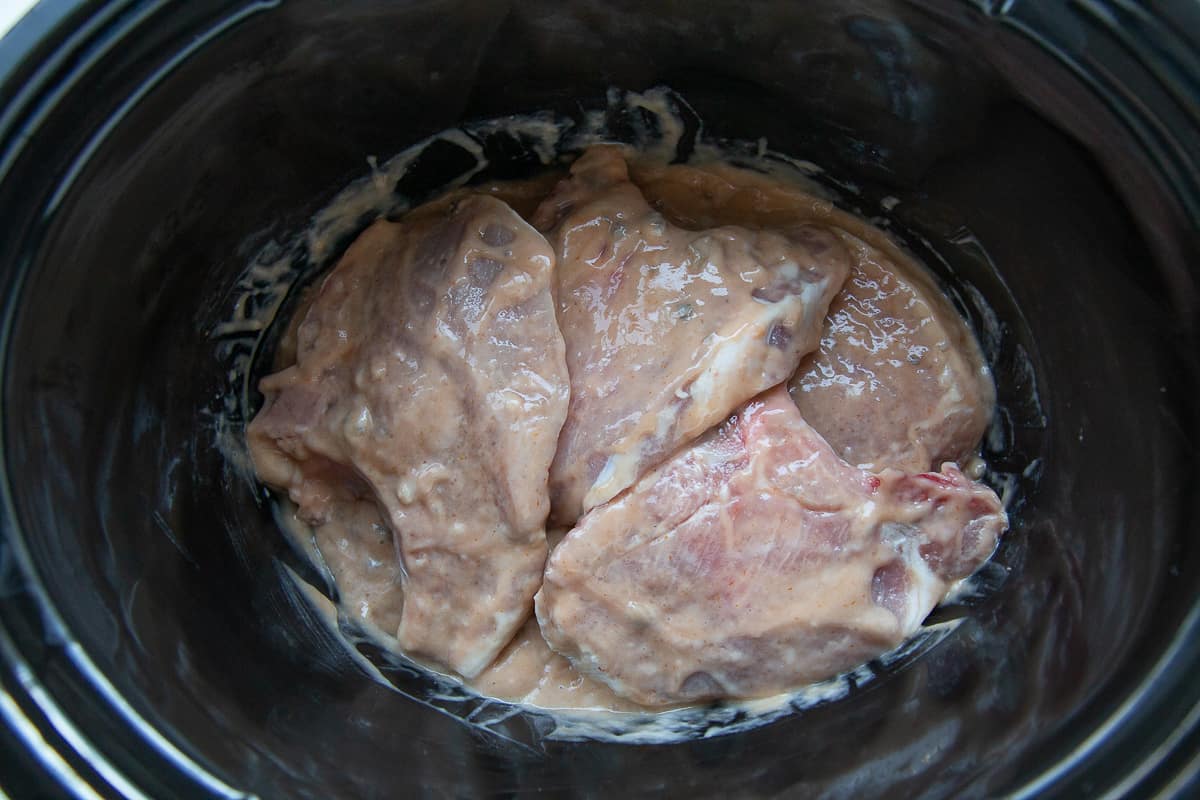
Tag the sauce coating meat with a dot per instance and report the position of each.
(893, 383)
(757, 559)
(622, 363)
(667, 330)
(431, 343)
(897, 380)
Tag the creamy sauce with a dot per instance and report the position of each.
(667, 329)
(432, 342)
(757, 559)
(353, 549)
(897, 380)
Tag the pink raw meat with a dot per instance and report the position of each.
(667, 330)
(757, 560)
(430, 379)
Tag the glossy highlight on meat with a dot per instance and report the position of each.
(621, 362)
(430, 381)
(897, 379)
(894, 382)
(667, 329)
(757, 560)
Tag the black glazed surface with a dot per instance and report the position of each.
(124, 241)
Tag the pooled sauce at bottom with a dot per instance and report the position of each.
(895, 380)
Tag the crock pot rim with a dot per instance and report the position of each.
(55, 43)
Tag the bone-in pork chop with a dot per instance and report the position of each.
(757, 560)
(429, 368)
(667, 330)
(898, 381)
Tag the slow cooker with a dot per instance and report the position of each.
(1043, 156)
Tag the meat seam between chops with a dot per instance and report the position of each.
(756, 560)
(667, 330)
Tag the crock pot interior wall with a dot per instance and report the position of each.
(165, 569)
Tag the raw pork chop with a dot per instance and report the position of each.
(898, 380)
(667, 330)
(357, 547)
(757, 560)
(430, 367)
